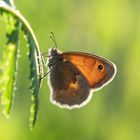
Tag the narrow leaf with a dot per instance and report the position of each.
(34, 78)
(8, 65)
(36, 67)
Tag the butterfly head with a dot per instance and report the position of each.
(54, 57)
(53, 52)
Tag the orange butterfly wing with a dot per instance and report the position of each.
(97, 70)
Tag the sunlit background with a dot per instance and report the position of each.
(110, 28)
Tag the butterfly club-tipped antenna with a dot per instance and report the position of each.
(52, 36)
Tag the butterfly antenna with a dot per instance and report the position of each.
(52, 36)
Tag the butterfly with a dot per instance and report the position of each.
(74, 76)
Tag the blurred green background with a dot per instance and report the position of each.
(110, 28)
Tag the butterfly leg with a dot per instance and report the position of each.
(45, 75)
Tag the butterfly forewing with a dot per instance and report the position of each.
(97, 70)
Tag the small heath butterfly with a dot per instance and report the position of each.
(74, 76)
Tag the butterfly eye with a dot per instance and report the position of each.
(100, 67)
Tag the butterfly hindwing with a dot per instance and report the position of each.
(71, 87)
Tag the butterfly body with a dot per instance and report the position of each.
(74, 74)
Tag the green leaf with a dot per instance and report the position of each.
(35, 78)
(8, 65)
(36, 67)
